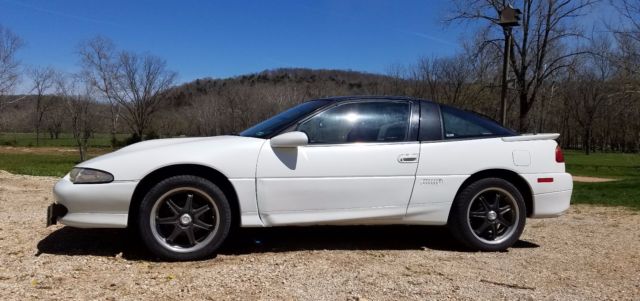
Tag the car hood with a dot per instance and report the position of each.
(231, 155)
(150, 144)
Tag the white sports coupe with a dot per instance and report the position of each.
(338, 161)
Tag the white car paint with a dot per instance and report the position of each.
(358, 183)
(325, 183)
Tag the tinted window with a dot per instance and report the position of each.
(464, 124)
(360, 122)
(278, 122)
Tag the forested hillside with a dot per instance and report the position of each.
(224, 106)
(561, 76)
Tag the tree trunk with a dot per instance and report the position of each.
(81, 151)
(586, 144)
(525, 107)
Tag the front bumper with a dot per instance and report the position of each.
(54, 212)
(93, 205)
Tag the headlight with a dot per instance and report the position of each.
(79, 175)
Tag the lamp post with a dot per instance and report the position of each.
(509, 17)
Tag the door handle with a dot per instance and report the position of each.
(408, 158)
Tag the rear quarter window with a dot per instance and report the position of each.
(459, 124)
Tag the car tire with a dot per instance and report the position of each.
(184, 218)
(488, 215)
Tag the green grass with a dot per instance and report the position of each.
(64, 140)
(624, 167)
(38, 164)
(54, 163)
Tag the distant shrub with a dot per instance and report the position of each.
(134, 138)
(151, 135)
(117, 143)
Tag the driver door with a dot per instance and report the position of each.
(360, 164)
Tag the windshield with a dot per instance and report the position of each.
(282, 120)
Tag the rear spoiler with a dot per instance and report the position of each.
(529, 137)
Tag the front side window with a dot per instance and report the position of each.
(359, 122)
(460, 124)
(282, 120)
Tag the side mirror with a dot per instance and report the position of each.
(290, 139)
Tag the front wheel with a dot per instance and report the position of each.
(184, 218)
(488, 215)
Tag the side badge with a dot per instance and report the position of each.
(432, 181)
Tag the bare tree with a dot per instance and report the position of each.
(455, 75)
(590, 87)
(10, 43)
(538, 51)
(79, 109)
(627, 35)
(99, 69)
(630, 11)
(42, 81)
(397, 73)
(426, 75)
(54, 119)
(138, 87)
(450, 80)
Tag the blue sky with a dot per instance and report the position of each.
(226, 38)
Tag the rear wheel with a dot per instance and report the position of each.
(488, 215)
(184, 218)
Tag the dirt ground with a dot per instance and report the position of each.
(36, 150)
(47, 150)
(591, 253)
(591, 179)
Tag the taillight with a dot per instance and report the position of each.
(559, 155)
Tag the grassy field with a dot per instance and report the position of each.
(65, 140)
(623, 192)
(53, 163)
(624, 167)
(38, 164)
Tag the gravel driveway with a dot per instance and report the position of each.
(590, 253)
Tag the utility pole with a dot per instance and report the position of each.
(509, 17)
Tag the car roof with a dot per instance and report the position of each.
(369, 97)
(391, 97)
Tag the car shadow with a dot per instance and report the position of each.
(121, 242)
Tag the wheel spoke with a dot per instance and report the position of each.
(174, 208)
(496, 201)
(167, 220)
(503, 222)
(478, 214)
(202, 225)
(482, 228)
(198, 212)
(484, 203)
(191, 236)
(176, 232)
(494, 231)
(188, 206)
(504, 209)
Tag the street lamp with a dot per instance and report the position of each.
(509, 17)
